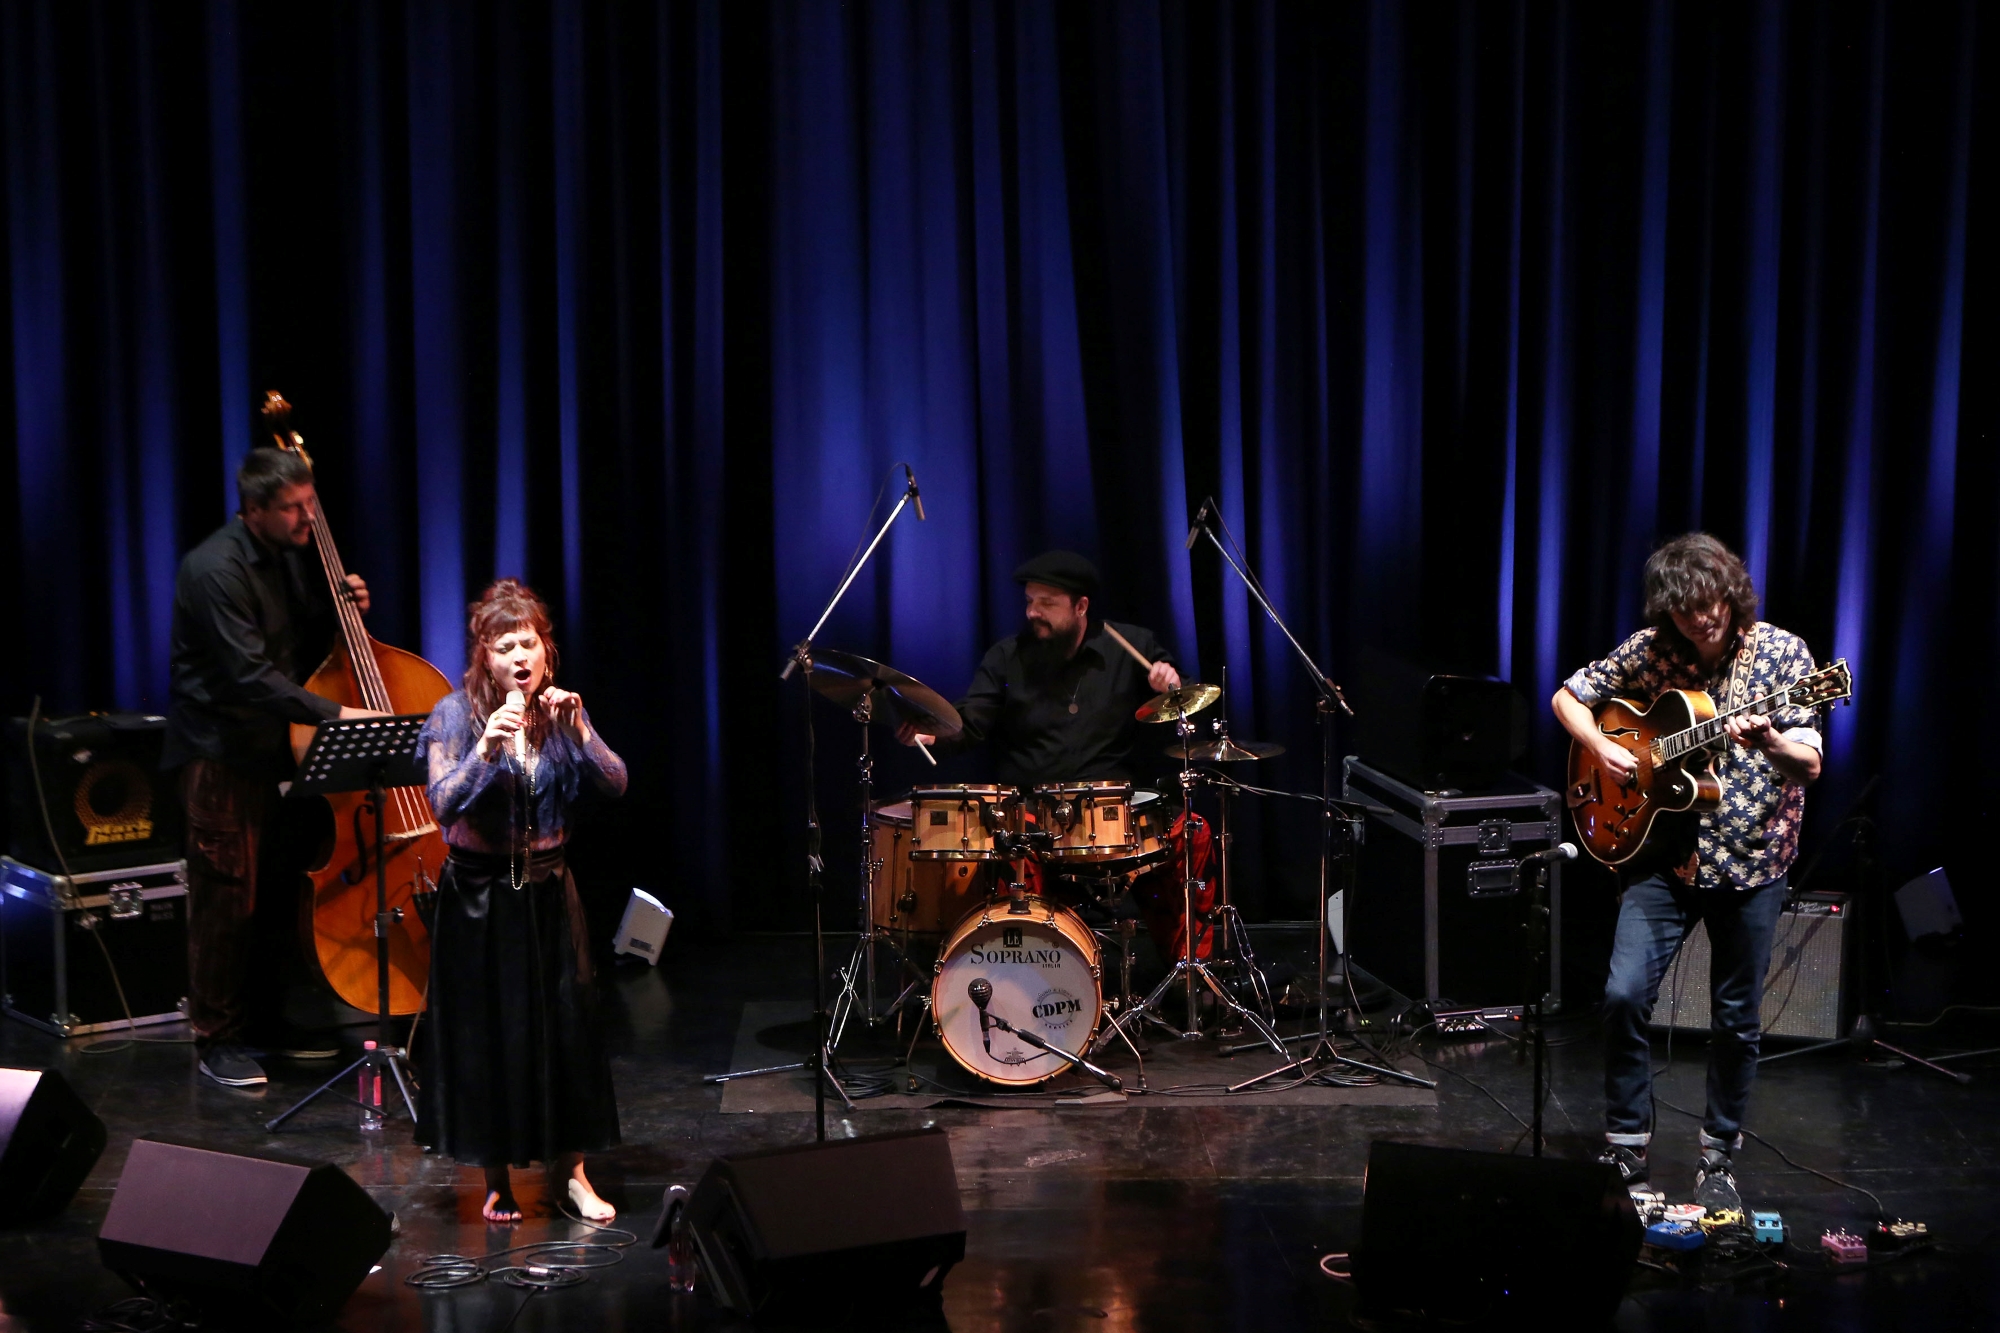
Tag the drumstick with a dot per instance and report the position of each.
(926, 749)
(1126, 644)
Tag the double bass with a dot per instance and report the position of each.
(338, 920)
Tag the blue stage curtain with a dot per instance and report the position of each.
(1457, 309)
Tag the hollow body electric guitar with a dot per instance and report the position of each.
(1675, 743)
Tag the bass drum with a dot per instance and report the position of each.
(920, 897)
(1043, 967)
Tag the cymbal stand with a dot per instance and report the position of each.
(1188, 970)
(861, 963)
(801, 659)
(1330, 702)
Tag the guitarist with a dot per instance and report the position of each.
(1726, 867)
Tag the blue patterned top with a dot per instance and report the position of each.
(478, 802)
(1752, 838)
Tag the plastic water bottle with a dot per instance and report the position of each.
(369, 1094)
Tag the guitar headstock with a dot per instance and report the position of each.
(277, 415)
(1829, 685)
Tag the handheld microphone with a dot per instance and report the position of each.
(521, 736)
(981, 991)
(915, 494)
(1562, 851)
(1200, 515)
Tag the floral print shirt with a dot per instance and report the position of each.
(1752, 838)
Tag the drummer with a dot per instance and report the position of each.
(1055, 702)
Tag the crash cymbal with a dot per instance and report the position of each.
(1177, 704)
(1225, 750)
(899, 697)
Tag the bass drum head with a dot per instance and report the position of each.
(1043, 968)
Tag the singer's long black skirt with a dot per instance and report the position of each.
(512, 1069)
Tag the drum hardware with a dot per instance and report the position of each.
(854, 682)
(1188, 970)
(1330, 702)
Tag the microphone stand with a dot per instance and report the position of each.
(1330, 700)
(801, 659)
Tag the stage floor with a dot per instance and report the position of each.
(1149, 1215)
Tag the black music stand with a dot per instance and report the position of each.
(370, 754)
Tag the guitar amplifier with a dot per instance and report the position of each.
(1805, 992)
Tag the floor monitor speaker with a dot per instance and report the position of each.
(817, 1229)
(253, 1241)
(1488, 1239)
(49, 1140)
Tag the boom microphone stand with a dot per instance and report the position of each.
(802, 660)
(1330, 700)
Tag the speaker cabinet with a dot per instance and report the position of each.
(109, 804)
(820, 1228)
(254, 1241)
(49, 1140)
(1805, 994)
(1478, 1237)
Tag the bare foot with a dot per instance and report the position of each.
(500, 1208)
(592, 1208)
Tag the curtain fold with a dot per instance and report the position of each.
(1457, 309)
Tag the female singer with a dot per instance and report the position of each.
(513, 1071)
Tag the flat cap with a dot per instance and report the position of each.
(1060, 569)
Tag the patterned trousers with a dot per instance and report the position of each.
(229, 817)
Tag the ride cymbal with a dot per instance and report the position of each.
(1225, 750)
(1177, 704)
(899, 696)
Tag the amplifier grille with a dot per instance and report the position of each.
(1803, 990)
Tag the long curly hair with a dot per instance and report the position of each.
(1693, 572)
(506, 605)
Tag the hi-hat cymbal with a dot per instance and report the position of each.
(1225, 750)
(898, 696)
(1176, 704)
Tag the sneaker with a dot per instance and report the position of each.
(1715, 1183)
(232, 1067)
(1631, 1164)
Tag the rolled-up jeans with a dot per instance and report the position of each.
(1654, 917)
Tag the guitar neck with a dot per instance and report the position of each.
(1704, 733)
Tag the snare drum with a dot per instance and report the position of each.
(915, 897)
(958, 823)
(1152, 817)
(1086, 820)
(1043, 967)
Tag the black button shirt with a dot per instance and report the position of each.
(1022, 711)
(250, 625)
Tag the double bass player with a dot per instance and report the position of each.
(253, 616)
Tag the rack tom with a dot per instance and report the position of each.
(958, 823)
(1090, 821)
(920, 898)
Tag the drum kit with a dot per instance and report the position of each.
(1010, 974)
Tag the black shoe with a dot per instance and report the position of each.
(232, 1067)
(1631, 1165)
(1715, 1183)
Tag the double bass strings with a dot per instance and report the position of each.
(410, 816)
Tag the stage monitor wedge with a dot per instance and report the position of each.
(1492, 1240)
(261, 1241)
(49, 1140)
(873, 1221)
